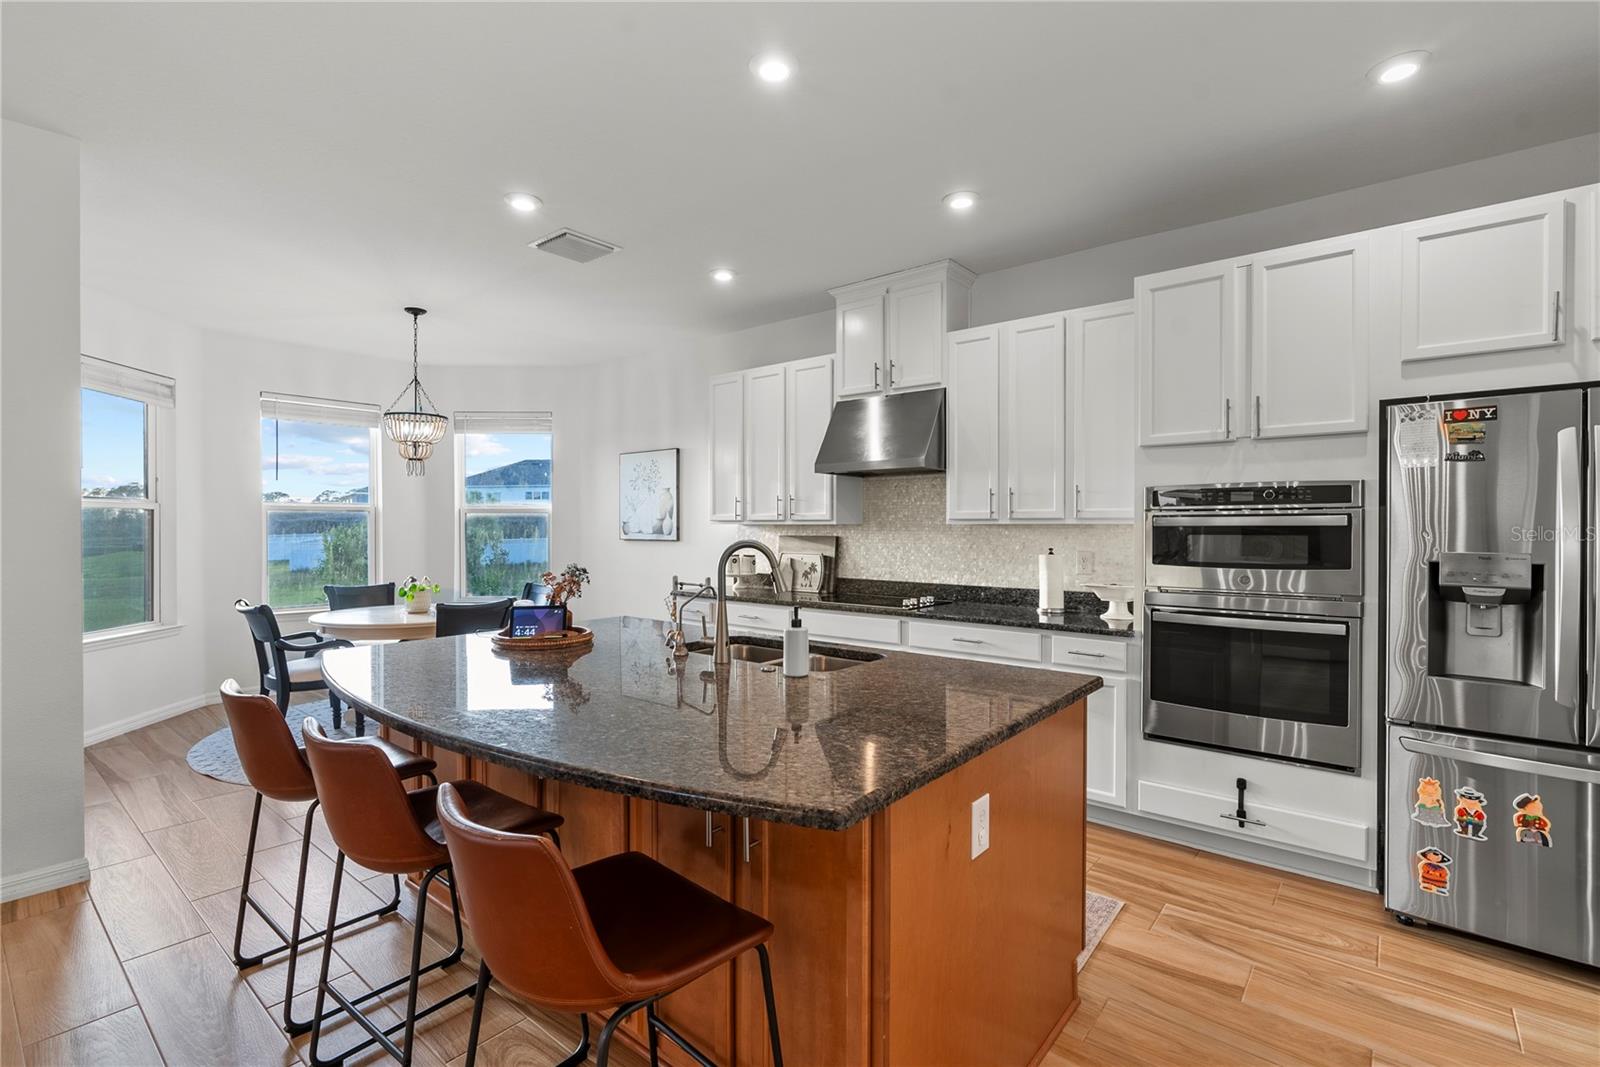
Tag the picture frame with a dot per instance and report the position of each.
(647, 495)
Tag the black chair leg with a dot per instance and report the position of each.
(322, 978)
(772, 1006)
(240, 960)
(479, 995)
(291, 1025)
(655, 1037)
(602, 1054)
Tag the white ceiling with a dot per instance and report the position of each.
(301, 171)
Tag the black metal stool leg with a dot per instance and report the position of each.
(602, 1053)
(417, 937)
(772, 1006)
(327, 956)
(239, 960)
(479, 995)
(291, 1025)
(655, 1036)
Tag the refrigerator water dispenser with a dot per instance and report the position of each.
(1485, 607)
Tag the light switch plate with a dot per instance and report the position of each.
(1084, 561)
(980, 826)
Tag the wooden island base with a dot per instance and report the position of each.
(893, 945)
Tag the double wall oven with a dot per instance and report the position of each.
(1253, 619)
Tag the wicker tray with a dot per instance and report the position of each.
(569, 640)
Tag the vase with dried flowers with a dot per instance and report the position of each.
(566, 587)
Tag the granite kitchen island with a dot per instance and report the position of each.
(839, 805)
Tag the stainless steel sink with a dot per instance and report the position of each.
(748, 651)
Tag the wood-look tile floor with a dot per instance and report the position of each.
(1211, 961)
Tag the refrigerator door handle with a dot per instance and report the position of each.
(1484, 758)
(1569, 520)
(1593, 533)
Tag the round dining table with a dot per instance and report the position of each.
(388, 622)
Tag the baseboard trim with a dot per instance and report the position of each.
(145, 718)
(55, 876)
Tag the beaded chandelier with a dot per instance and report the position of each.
(417, 429)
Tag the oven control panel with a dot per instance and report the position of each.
(1257, 495)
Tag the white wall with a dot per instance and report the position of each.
(126, 685)
(41, 612)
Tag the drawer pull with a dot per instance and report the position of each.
(1233, 816)
(750, 618)
(967, 641)
(1091, 655)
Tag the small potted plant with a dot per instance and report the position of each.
(566, 587)
(418, 595)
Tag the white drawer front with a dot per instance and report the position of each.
(1284, 827)
(852, 626)
(994, 641)
(756, 617)
(1092, 654)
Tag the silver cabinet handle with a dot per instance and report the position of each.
(1556, 334)
(791, 505)
(780, 505)
(1077, 500)
(749, 618)
(875, 375)
(966, 641)
(712, 829)
(1011, 501)
(749, 842)
(736, 503)
(991, 501)
(891, 374)
(1258, 415)
(1227, 416)
(1233, 817)
(1091, 655)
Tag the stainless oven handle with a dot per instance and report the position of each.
(1253, 518)
(1503, 762)
(1244, 622)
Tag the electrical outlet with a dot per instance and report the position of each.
(1083, 561)
(980, 826)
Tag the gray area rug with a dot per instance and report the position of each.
(214, 755)
(1098, 911)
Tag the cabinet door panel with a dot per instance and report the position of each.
(1105, 411)
(1036, 360)
(763, 445)
(810, 403)
(1308, 339)
(1485, 281)
(727, 448)
(972, 432)
(1105, 778)
(596, 821)
(703, 1010)
(1188, 354)
(860, 344)
(916, 336)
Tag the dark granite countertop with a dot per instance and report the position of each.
(824, 751)
(976, 604)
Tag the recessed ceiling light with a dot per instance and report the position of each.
(722, 276)
(1398, 68)
(772, 69)
(526, 203)
(961, 201)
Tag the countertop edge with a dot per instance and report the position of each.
(1096, 628)
(813, 818)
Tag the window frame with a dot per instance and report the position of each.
(158, 394)
(363, 417)
(464, 423)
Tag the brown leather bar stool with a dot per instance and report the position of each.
(614, 935)
(376, 822)
(277, 768)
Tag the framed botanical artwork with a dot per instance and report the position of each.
(648, 495)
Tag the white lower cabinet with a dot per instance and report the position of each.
(1106, 744)
(1274, 824)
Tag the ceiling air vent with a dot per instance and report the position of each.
(570, 244)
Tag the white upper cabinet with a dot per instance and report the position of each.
(1189, 327)
(1105, 411)
(809, 392)
(891, 330)
(1309, 339)
(727, 448)
(1035, 364)
(764, 464)
(1488, 280)
(861, 348)
(972, 425)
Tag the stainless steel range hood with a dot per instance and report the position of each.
(898, 434)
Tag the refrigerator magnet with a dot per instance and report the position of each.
(1429, 808)
(1470, 816)
(1531, 823)
(1433, 871)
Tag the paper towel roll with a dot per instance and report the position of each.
(1052, 596)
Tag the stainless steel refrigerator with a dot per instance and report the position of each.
(1493, 742)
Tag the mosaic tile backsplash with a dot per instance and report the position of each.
(905, 538)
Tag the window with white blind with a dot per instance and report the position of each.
(126, 485)
(504, 470)
(319, 500)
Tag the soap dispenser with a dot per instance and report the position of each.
(796, 649)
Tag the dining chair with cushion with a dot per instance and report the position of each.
(359, 596)
(452, 619)
(539, 594)
(280, 675)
